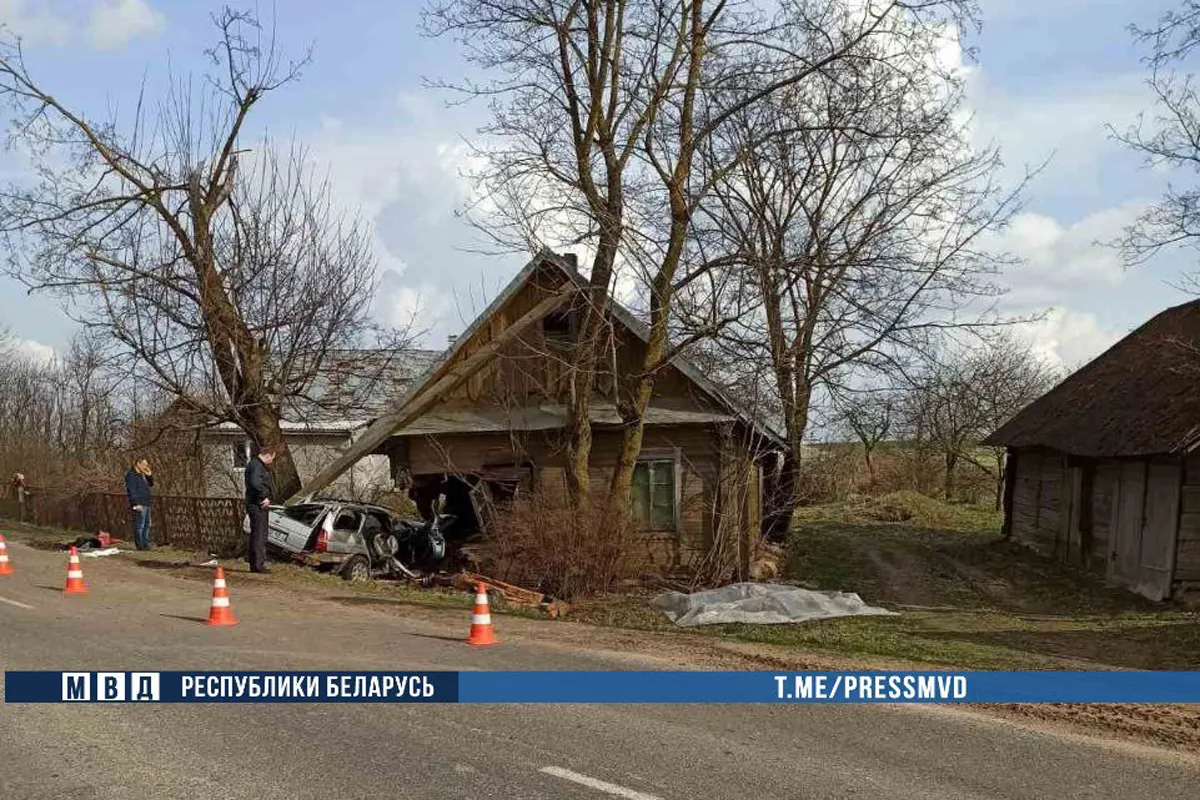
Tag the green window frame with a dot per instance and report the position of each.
(655, 495)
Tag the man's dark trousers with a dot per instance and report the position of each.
(256, 550)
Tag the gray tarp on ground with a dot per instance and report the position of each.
(760, 604)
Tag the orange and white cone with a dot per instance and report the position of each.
(481, 620)
(75, 584)
(5, 567)
(220, 612)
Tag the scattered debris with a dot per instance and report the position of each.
(761, 604)
(556, 609)
(108, 551)
(512, 594)
(516, 595)
(86, 543)
(765, 565)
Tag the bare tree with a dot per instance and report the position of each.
(601, 110)
(962, 396)
(224, 271)
(1169, 137)
(871, 415)
(854, 218)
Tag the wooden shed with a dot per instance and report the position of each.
(1104, 470)
(488, 420)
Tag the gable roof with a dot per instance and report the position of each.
(566, 265)
(352, 388)
(1140, 397)
(355, 386)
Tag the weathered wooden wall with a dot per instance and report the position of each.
(699, 463)
(534, 367)
(531, 371)
(1123, 519)
(1187, 553)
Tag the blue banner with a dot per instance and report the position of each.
(601, 687)
(230, 687)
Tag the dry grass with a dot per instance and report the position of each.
(905, 506)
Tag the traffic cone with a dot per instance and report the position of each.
(220, 613)
(481, 620)
(75, 584)
(5, 567)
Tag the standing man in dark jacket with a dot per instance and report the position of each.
(138, 481)
(259, 490)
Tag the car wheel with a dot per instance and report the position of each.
(357, 569)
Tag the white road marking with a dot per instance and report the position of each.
(598, 785)
(15, 603)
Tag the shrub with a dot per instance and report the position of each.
(538, 541)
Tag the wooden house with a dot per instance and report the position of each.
(1104, 470)
(488, 420)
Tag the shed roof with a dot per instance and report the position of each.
(1140, 397)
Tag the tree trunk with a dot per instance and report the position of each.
(781, 502)
(663, 289)
(786, 497)
(1001, 466)
(870, 467)
(264, 430)
(621, 484)
(238, 357)
(951, 464)
(586, 356)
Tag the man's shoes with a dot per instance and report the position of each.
(263, 571)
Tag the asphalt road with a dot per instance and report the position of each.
(139, 618)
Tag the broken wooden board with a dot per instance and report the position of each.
(511, 593)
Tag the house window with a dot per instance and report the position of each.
(556, 327)
(240, 453)
(654, 492)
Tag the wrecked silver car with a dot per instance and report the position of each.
(358, 540)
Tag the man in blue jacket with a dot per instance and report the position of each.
(259, 490)
(138, 481)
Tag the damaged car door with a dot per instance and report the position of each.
(291, 528)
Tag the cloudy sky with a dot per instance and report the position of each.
(1050, 75)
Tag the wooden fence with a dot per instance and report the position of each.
(203, 524)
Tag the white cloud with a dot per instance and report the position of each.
(1066, 338)
(409, 180)
(1058, 260)
(1065, 122)
(35, 351)
(34, 22)
(114, 23)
